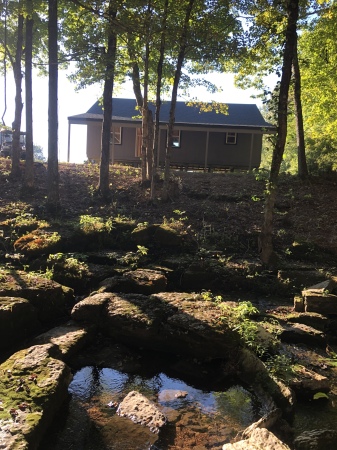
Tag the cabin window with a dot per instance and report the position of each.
(230, 138)
(176, 137)
(116, 135)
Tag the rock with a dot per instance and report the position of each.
(179, 323)
(253, 371)
(267, 421)
(140, 410)
(67, 340)
(160, 235)
(169, 395)
(33, 388)
(19, 320)
(300, 333)
(140, 281)
(260, 439)
(321, 303)
(316, 440)
(47, 296)
(318, 298)
(306, 382)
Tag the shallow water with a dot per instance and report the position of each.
(201, 420)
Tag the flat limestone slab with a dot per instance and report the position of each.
(67, 339)
(320, 302)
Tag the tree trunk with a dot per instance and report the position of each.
(301, 156)
(16, 147)
(156, 130)
(103, 186)
(177, 76)
(29, 167)
(53, 199)
(265, 238)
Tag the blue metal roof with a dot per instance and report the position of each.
(239, 115)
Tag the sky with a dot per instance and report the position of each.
(71, 103)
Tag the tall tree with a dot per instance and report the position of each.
(183, 41)
(163, 36)
(53, 198)
(17, 69)
(265, 238)
(110, 58)
(29, 166)
(301, 155)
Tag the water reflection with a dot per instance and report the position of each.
(195, 417)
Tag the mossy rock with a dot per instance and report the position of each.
(38, 242)
(47, 296)
(33, 387)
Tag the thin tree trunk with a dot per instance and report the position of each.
(16, 147)
(29, 166)
(103, 186)
(158, 95)
(265, 238)
(177, 76)
(301, 156)
(53, 198)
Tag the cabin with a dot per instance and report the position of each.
(204, 139)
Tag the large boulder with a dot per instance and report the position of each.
(33, 386)
(48, 297)
(140, 281)
(179, 323)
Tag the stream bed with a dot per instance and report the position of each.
(214, 409)
(200, 420)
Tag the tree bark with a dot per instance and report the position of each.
(156, 130)
(103, 186)
(301, 156)
(16, 126)
(29, 166)
(177, 76)
(53, 199)
(265, 238)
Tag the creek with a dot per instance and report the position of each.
(214, 410)
(211, 414)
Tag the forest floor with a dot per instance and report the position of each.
(224, 211)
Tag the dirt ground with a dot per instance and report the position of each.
(223, 209)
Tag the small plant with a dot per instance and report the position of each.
(133, 259)
(255, 198)
(238, 319)
(209, 297)
(280, 367)
(91, 224)
(69, 263)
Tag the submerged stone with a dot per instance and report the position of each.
(140, 410)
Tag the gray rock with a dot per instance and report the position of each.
(140, 281)
(140, 410)
(179, 323)
(306, 382)
(260, 439)
(316, 440)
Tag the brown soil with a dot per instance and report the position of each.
(224, 211)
